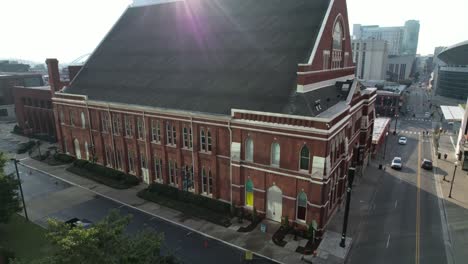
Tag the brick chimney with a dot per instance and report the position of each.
(73, 71)
(54, 75)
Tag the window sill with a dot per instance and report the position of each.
(188, 149)
(174, 185)
(129, 137)
(156, 142)
(205, 152)
(207, 195)
(171, 145)
(160, 181)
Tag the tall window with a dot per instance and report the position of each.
(188, 178)
(155, 131)
(72, 119)
(249, 193)
(140, 128)
(202, 140)
(143, 160)
(301, 206)
(118, 159)
(158, 169)
(83, 120)
(326, 59)
(62, 117)
(116, 124)
(187, 133)
(128, 126)
(172, 172)
(171, 134)
(337, 46)
(86, 150)
(249, 147)
(304, 159)
(275, 154)
(208, 134)
(108, 153)
(204, 181)
(210, 182)
(105, 122)
(131, 160)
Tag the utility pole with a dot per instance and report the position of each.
(348, 201)
(396, 121)
(453, 179)
(385, 147)
(21, 188)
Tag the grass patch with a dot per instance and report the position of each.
(26, 239)
(189, 204)
(107, 176)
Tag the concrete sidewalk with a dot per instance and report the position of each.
(255, 241)
(455, 208)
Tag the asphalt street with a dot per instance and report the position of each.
(47, 197)
(403, 224)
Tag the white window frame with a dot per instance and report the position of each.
(140, 128)
(326, 59)
(158, 170)
(202, 140)
(128, 127)
(155, 131)
(300, 159)
(83, 120)
(273, 161)
(249, 153)
(105, 122)
(131, 164)
(116, 124)
(297, 208)
(209, 146)
(185, 137)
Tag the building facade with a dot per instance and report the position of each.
(7, 83)
(451, 78)
(400, 67)
(410, 37)
(271, 121)
(370, 57)
(33, 105)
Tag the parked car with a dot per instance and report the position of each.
(402, 141)
(396, 163)
(426, 164)
(75, 222)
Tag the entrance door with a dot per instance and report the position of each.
(77, 148)
(274, 203)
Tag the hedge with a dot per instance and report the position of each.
(63, 157)
(188, 197)
(110, 177)
(24, 147)
(6, 255)
(189, 203)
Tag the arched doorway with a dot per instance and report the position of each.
(274, 203)
(77, 148)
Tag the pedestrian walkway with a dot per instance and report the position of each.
(255, 241)
(407, 132)
(455, 209)
(417, 119)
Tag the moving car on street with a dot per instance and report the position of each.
(426, 164)
(402, 141)
(396, 163)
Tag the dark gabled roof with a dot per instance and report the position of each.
(208, 56)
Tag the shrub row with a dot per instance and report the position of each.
(187, 208)
(188, 197)
(63, 157)
(24, 147)
(110, 177)
(6, 255)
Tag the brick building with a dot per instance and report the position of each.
(33, 104)
(253, 103)
(8, 80)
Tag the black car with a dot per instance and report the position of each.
(426, 164)
(75, 222)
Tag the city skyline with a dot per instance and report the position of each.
(80, 26)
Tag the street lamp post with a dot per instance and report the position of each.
(385, 147)
(453, 179)
(21, 188)
(348, 201)
(396, 121)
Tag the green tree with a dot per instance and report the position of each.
(103, 243)
(9, 197)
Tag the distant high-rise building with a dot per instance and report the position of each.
(401, 40)
(410, 37)
(370, 57)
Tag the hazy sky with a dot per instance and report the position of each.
(67, 29)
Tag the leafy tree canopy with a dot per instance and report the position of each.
(9, 196)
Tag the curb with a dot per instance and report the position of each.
(442, 209)
(149, 213)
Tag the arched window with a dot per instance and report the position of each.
(337, 36)
(275, 154)
(83, 120)
(305, 158)
(249, 149)
(249, 193)
(337, 46)
(301, 206)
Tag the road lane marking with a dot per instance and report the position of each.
(388, 241)
(396, 203)
(418, 201)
